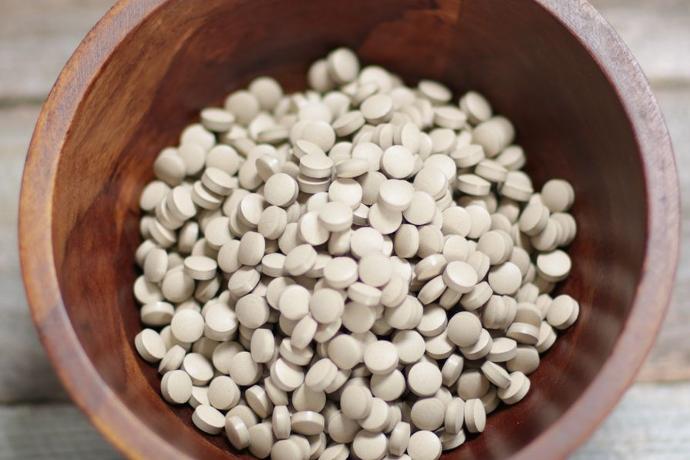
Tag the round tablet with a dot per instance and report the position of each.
(558, 195)
(384, 220)
(311, 230)
(424, 445)
(375, 270)
(410, 345)
(260, 439)
(252, 311)
(286, 449)
(176, 387)
(250, 209)
(326, 305)
(303, 332)
(307, 422)
(388, 387)
(335, 452)
(460, 276)
(396, 194)
(397, 162)
(563, 312)
(503, 349)
(553, 266)
(366, 240)
(335, 216)
(208, 419)
(421, 210)
(424, 379)
(347, 191)
(475, 416)
(505, 278)
(343, 65)
(428, 413)
(399, 438)
(474, 185)
(496, 374)
(464, 329)
(431, 180)
(356, 402)
(252, 248)
(243, 369)
(200, 267)
(345, 351)
(433, 322)
(381, 357)
(294, 302)
(516, 390)
(497, 245)
(187, 326)
(321, 374)
(369, 446)
(300, 259)
(316, 165)
(285, 375)
(281, 422)
(377, 108)
(340, 272)
(305, 399)
(377, 419)
(223, 393)
(526, 359)
(432, 290)
(262, 346)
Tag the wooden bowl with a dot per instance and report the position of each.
(581, 105)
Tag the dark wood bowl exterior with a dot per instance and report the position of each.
(581, 105)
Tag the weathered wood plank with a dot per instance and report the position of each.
(26, 373)
(36, 38)
(656, 32)
(47, 432)
(670, 358)
(650, 422)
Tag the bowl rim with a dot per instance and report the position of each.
(119, 423)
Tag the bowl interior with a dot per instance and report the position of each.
(187, 55)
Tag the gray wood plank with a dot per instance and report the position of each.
(26, 373)
(656, 32)
(650, 422)
(36, 38)
(670, 357)
(47, 432)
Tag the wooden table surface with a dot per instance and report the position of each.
(37, 420)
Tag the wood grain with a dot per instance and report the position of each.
(50, 432)
(36, 38)
(670, 358)
(645, 26)
(656, 32)
(614, 150)
(26, 374)
(650, 422)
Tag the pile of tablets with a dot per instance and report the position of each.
(361, 269)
